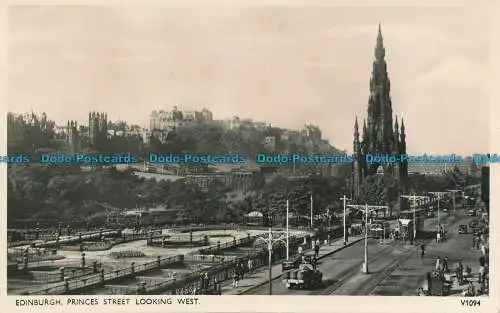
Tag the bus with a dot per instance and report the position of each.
(405, 222)
(379, 228)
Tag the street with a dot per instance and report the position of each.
(394, 269)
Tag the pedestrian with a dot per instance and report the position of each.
(429, 283)
(474, 242)
(422, 251)
(445, 265)
(250, 265)
(329, 240)
(438, 237)
(471, 291)
(438, 264)
(482, 260)
(244, 269)
(316, 251)
(318, 243)
(483, 249)
(461, 272)
(481, 274)
(207, 281)
(299, 250)
(236, 279)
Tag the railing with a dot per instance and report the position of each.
(221, 271)
(225, 270)
(214, 249)
(72, 285)
(120, 290)
(165, 240)
(203, 258)
(56, 276)
(50, 240)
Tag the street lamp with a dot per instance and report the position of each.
(453, 192)
(270, 241)
(287, 231)
(345, 199)
(414, 198)
(438, 194)
(365, 264)
(312, 211)
(373, 208)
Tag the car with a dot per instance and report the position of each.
(473, 224)
(471, 213)
(463, 229)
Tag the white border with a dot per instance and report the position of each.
(279, 303)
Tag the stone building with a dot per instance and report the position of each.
(380, 134)
(73, 139)
(98, 130)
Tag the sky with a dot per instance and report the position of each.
(285, 66)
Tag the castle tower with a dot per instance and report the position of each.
(98, 130)
(380, 134)
(72, 138)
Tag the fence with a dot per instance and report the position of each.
(77, 284)
(231, 244)
(219, 273)
(203, 258)
(58, 276)
(108, 244)
(32, 254)
(165, 240)
(47, 240)
(62, 240)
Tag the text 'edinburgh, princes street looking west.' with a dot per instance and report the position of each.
(259, 151)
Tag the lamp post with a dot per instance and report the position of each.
(413, 199)
(366, 208)
(453, 193)
(287, 231)
(270, 240)
(312, 217)
(365, 264)
(345, 199)
(439, 194)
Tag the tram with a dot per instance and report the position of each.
(405, 222)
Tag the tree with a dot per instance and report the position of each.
(380, 190)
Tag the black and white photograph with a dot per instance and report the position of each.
(190, 151)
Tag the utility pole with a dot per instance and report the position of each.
(453, 193)
(413, 199)
(439, 194)
(344, 200)
(366, 208)
(287, 231)
(270, 241)
(365, 264)
(312, 217)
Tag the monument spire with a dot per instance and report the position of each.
(379, 47)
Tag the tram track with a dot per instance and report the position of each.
(381, 275)
(350, 273)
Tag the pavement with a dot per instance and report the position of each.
(261, 275)
(458, 249)
(410, 274)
